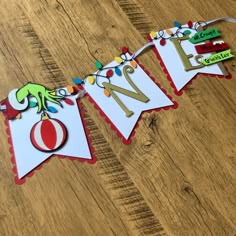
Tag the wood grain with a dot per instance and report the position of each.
(178, 175)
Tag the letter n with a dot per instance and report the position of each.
(138, 95)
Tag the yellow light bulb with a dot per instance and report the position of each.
(91, 79)
(153, 34)
(118, 60)
(53, 93)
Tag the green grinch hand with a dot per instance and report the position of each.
(40, 93)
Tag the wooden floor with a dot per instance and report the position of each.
(178, 177)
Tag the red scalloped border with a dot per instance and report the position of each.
(31, 173)
(113, 127)
(179, 93)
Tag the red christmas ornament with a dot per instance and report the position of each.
(48, 134)
(109, 73)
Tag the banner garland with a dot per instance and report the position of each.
(127, 100)
(42, 123)
(180, 43)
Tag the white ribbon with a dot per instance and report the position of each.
(227, 19)
(137, 53)
(142, 49)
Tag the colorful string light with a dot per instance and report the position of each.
(109, 71)
(181, 30)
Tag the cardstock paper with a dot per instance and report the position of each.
(204, 35)
(217, 57)
(27, 157)
(112, 110)
(210, 47)
(173, 65)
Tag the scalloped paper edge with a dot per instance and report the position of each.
(31, 173)
(179, 93)
(113, 127)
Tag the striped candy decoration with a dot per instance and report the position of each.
(48, 134)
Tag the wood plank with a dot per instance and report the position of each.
(176, 178)
(83, 205)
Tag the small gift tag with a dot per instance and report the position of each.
(176, 49)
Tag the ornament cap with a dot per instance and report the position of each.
(44, 116)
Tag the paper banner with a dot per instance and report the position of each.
(34, 136)
(210, 47)
(132, 91)
(217, 57)
(204, 35)
(179, 58)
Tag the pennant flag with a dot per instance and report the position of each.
(57, 131)
(179, 57)
(122, 97)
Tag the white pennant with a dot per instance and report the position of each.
(125, 125)
(27, 157)
(173, 62)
